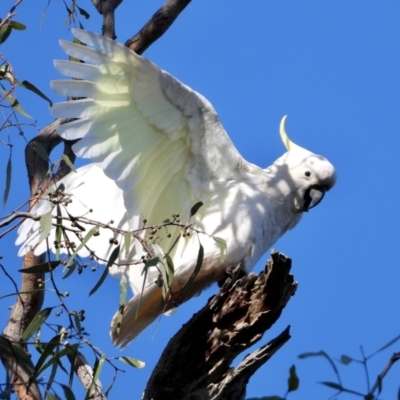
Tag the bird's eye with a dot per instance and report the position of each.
(307, 173)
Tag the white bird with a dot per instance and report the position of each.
(158, 148)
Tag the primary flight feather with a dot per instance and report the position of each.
(157, 148)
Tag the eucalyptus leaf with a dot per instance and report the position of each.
(133, 362)
(8, 180)
(114, 255)
(41, 268)
(36, 323)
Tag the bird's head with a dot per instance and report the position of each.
(309, 175)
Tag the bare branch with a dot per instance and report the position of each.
(157, 25)
(84, 372)
(107, 9)
(196, 362)
(395, 357)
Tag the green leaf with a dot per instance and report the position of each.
(51, 396)
(346, 360)
(123, 284)
(133, 362)
(71, 349)
(195, 208)
(83, 12)
(293, 380)
(17, 25)
(127, 242)
(332, 385)
(387, 345)
(199, 263)
(82, 244)
(36, 323)
(8, 180)
(46, 223)
(68, 393)
(78, 323)
(98, 366)
(30, 86)
(48, 350)
(222, 247)
(16, 106)
(15, 350)
(67, 161)
(41, 268)
(40, 150)
(58, 231)
(174, 244)
(70, 269)
(5, 31)
(114, 255)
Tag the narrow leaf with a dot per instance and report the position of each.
(133, 362)
(40, 150)
(5, 31)
(332, 385)
(15, 351)
(15, 104)
(58, 231)
(68, 393)
(52, 396)
(174, 244)
(48, 350)
(222, 247)
(8, 180)
(98, 366)
(127, 243)
(67, 161)
(17, 25)
(36, 323)
(46, 223)
(30, 86)
(122, 300)
(293, 380)
(111, 261)
(387, 345)
(70, 269)
(83, 12)
(195, 208)
(199, 263)
(71, 349)
(82, 244)
(40, 268)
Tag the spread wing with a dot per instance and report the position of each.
(160, 141)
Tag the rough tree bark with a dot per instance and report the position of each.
(196, 362)
(195, 365)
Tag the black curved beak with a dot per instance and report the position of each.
(313, 196)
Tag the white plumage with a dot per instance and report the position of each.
(157, 148)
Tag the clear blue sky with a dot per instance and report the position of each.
(334, 67)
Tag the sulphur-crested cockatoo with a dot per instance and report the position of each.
(157, 148)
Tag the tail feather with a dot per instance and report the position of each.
(139, 313)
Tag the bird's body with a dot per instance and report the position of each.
(157, 148)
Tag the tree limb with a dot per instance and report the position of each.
(196, 362)
(107, 9)
(84, 372)
(157, 25)
(31, 297)
(29, 303)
